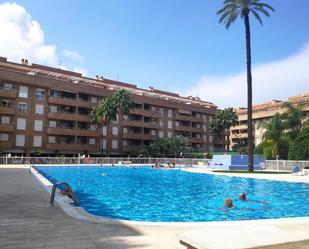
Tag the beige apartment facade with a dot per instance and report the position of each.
(262, 113)
(48, 110)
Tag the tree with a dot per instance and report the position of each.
(275, 140)
(228, 14)
(299, 149)
(222, 122)
(165, 147)
(123, 102)
(103, 113)
(294, 118)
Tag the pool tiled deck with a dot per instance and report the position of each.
(28, 221)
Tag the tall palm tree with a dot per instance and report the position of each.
(294, 118)
(228, 14)
(123, 103)
(103, 113)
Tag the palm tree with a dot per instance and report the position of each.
(103, 113)
(222, 122)
(123, 102)
(228, 14)
(294, 118)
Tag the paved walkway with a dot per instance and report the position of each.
(27, 221)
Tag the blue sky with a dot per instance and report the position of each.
(171, 45)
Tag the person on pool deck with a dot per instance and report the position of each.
(228, 203)
(242, 197)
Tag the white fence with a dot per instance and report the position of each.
(285, 164)
(98, 160)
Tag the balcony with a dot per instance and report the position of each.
(72, 132)
(68, 116)
(153, 125)
(183, 128)
(70, 102)
(189, 118)
(197, 130)
(8, 93)
(241, 135)
(147, 113)
(6, 127)
(150, 137)
(132, 148)
(132, 135)
(6, 144)
(195, 140)
(132, 123)
(7, 110)
(72, 147)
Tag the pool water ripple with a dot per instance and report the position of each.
(146, 194)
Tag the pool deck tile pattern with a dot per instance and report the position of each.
(28, 221)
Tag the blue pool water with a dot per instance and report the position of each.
(146, 194)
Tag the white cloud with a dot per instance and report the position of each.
(71, 54)
(274, 80)
(22, 37)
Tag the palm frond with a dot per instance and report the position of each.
(257, 16)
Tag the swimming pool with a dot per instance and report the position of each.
(163, 195)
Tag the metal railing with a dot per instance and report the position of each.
(68, 191)
(98, 160)
(285, 164)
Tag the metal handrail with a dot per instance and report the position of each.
(30, 168)
(68, 187)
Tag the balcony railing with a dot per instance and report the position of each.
(6, 127)
(68, 116)
(72, 132)
(72, 147)
(7, 110)
(8, 92)
(70, 102)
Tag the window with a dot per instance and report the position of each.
(161, 124)
(161, 134)
(23, 92)
(92, 127)
(94, 100)
(7, 86)
(4, 137)
(38, 125)
(170, 113)
(52, 124)
(114, 144)
(40, 94)
(115, 131)
(21, 124)
(37, 141)
(104, 143)
(5, 120)
(91, 140)
(53, 108)
(177, 123)
(169, 134)
(204, 126)
(125, 130)
(39, 109)
(51, 139)
(125, 142)
(169, 124)
(204, 137)
(22, 107)
(153, 132)
(210, 118)
(20, 140)
(104, 130)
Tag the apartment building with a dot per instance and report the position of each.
(262, 113)
(48, 110)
